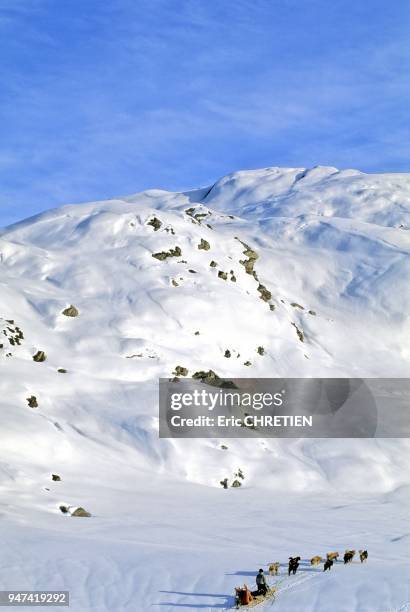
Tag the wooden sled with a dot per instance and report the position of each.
(245, 599)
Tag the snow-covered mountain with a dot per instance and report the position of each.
(99, 300)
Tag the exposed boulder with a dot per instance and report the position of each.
(204, 245)
(155, 222)
(11, 332)
(236, 483)
(222, 275)
(260, 350)
(39, 356)
(210, 378)
(200, 216)
(180, 371)
(62, 370)
(71, 311)
(55, 477)
(249, 264)
(80, 512)
(213, 264)
(224, 483)
(162, 255)
(32, 401)
(252, 256)
(265, 294)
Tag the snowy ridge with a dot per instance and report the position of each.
(160, 280)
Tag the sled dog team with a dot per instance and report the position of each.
(330, 559)
(243, 596)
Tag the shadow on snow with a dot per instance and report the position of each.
(228, 600)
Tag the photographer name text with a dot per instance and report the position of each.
(249, 420)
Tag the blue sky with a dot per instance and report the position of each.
(99, 98)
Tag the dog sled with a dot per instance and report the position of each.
(245, 598)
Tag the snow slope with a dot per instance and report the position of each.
(332, 260)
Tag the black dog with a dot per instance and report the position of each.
(293, 565)
(328, 564)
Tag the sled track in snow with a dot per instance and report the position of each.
(291, 584)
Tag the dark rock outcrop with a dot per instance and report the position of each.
(71, 311)
(299, 332)
(81, 512)
(210, 378)
(32, 401)
(155, 222)
(204, 245)
(265, 294)
(180, 371)
(162, 255)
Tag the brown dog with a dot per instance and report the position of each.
(315, 560)
(273, 569)
(332, 556)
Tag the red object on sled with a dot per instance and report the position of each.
(244, 594)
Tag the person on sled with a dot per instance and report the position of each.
(261, 583)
